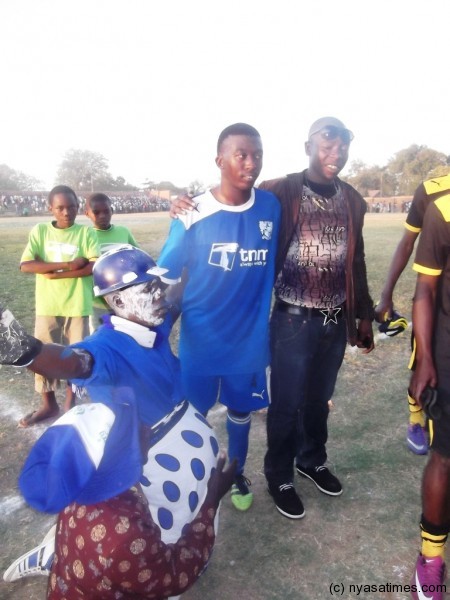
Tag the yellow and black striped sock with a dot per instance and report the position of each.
(416, 414)
(433, 537)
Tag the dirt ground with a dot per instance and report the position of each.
(362, 544)
(369, 535)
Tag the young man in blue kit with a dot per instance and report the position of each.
(226, 248)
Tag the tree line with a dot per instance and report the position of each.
(87, 171)
(401, 175)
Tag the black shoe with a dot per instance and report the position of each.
(325, 481)
(287, 500)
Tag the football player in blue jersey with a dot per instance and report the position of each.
(226, 250)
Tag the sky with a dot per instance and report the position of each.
(150, 84)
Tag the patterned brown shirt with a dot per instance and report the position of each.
(313, 272)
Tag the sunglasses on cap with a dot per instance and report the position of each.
(331, 132)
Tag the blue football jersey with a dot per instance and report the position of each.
(229, 254)
(127, 372)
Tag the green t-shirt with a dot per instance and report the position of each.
(116, 235)
(68, 297)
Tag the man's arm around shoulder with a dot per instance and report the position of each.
(271, 184)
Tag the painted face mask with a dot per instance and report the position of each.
(144, 303)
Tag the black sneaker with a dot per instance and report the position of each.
(287, 500)
(325, 481)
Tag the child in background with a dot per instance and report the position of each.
(99, 210)
(61, 254)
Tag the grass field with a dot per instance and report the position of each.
(366, 537)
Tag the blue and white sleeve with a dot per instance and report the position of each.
(174, 253)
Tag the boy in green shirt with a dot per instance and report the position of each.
(61, 254)
(100, 212)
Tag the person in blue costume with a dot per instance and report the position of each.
(137, 467)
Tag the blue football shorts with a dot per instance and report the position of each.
(242, 393)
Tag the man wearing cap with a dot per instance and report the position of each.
(321, 302)
(135, 475)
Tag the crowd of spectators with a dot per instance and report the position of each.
(133, 202)
(34, 203)
(394, 205)
(23, 204)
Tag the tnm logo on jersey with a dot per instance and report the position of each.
(266, 228)
(224, 256)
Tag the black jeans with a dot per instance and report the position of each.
(306, 358)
